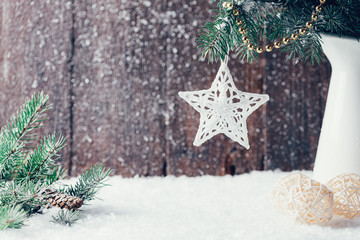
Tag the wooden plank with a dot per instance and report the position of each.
(118, 88)
(34, 51)
(113, 71)
(219, 155)
(294, 114)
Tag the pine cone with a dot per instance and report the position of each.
(63, 200)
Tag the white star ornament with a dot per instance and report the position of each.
(223, 108)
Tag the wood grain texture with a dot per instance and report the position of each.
(294, 113)
(34, 53)
(113, 69)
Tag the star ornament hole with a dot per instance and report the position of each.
(228, 113)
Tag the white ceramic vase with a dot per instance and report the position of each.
(339, 145)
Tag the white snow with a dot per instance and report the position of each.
(185, 208)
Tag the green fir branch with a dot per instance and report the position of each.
(89, 183)
(10, 156)
(214, 37)
(12, 217)
(267, 21)
(16, 134)
(28, 118)
(27, 195)
(26, 176)
(54, 174)
(41, 161)
(67, 217)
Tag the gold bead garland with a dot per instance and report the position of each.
(238, 21)
(241, 30)
(268, 48)
(314, 17)
(245, 39)
(286, 40)
(277, 44)
(259, 49)
(251, 46)
(302, 31)
(294, 36)
(309, 24)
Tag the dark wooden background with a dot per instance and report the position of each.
(113, 69)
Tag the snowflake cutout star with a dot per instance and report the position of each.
(223, 108)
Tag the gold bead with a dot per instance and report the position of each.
(251, 46)
(318, 8)
(294, 36)
(268, 48)
(277, 44)
(230, 5)
(241, 30)
(302, 31)
(322, 1)
(236, 12)
(259, 49)
(309, 24)
(239, 21)
(225, 4)
(314, 17)
(286, 40)
(245, 39)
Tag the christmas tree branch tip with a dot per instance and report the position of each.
(89, 183)
(16, 136)
(12, 217)
(66, 217)
(42, 160)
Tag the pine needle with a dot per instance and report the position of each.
(67, 217)
(89, 183)
(11, 217)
